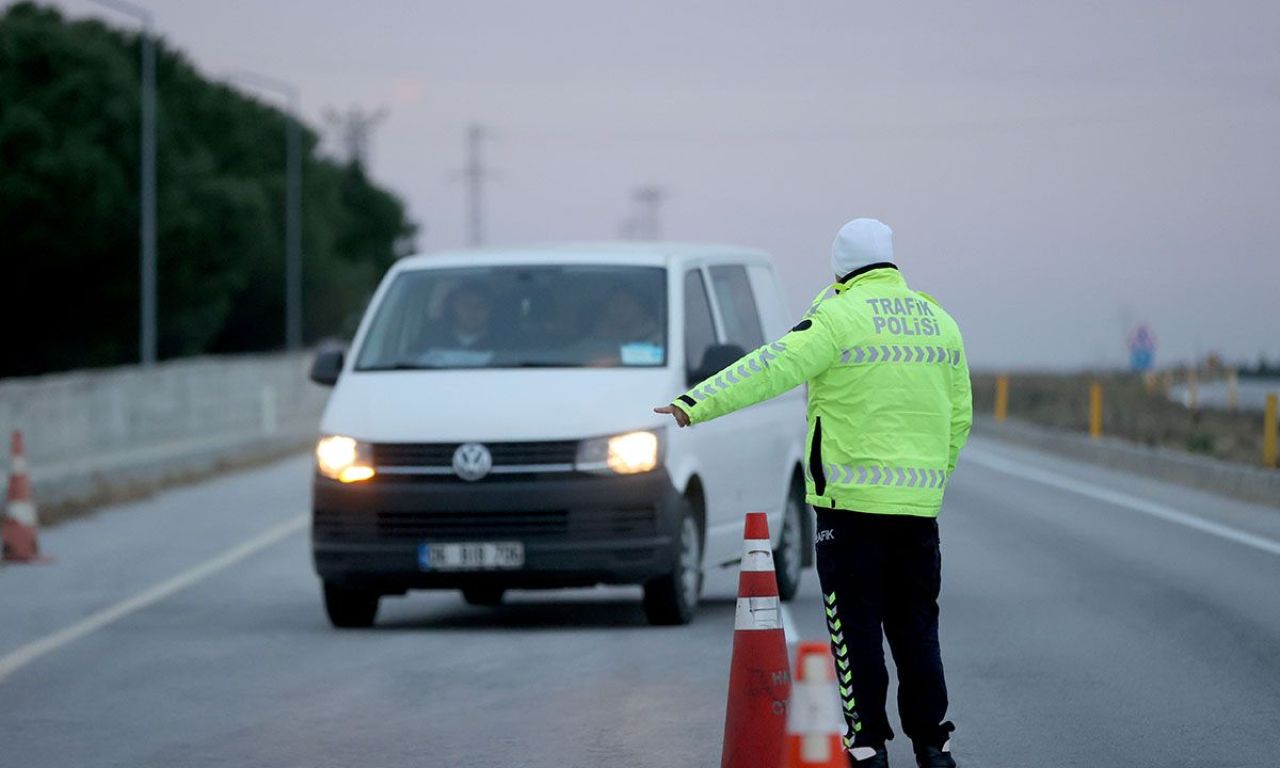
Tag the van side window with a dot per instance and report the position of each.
(699, 330)
(737, 306)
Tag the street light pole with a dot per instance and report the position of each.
(293, 229)
(292, 204)
(147, 223)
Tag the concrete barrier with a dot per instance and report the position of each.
(1200, 472)
(102, 434)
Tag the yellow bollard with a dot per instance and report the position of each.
(1233, 390)
(1095, 410)
(1193, 389)
(1149, 381)
(1269, 433)
(1002, 398)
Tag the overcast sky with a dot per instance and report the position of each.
(1054, 172)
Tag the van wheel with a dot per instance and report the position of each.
(483, 596)
(788, 558)
(350, 608)
(673, 598)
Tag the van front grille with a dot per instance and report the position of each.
(504, 454)
(451, 525)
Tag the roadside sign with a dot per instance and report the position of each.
(1142, 348)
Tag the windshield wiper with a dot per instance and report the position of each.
(402, 366)
(411, 366)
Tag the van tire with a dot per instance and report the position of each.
(788, 558)
(488, 597)
(350, 608)
(672, 599)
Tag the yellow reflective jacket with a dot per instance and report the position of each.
(889, 394)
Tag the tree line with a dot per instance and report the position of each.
(69, 207)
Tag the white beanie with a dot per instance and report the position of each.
(861, 243)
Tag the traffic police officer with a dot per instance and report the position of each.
(889, 410)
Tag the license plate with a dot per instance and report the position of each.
(471, 556)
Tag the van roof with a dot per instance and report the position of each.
(640, 254)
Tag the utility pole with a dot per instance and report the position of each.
(354, 130)
(147, 223)
(648, 199)
(627, 228)
(292, 203)
(475, 174)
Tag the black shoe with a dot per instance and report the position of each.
(932, 757)
(879, 760)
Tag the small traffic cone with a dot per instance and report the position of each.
(759, 677)
(19, 530)
(814, 724)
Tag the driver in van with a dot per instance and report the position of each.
(465, 322)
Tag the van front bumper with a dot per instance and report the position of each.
(578, 529)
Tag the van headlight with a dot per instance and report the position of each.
(344, 459)
(627, 454)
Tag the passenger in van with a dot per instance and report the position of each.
(627, 331)
(627, 318)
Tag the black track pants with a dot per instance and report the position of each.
(884, 571)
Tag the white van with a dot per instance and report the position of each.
(492, 429)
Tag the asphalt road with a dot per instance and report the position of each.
(1089, 619)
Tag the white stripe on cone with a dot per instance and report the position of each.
(757, 555)
(757, 613)
(815, 748)
(814, 712)
(23, 512)
(815, 707)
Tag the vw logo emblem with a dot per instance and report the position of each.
(472, 461)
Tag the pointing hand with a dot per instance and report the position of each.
(681, 417)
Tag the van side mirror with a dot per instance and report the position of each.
(715, 359)
(327, 367)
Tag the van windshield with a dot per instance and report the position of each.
(543, 316)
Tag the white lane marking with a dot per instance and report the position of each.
(1154, 509)
(30, 652)
(788, 627)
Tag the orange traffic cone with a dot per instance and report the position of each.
(814, 724)
(20, 525)
(759, 678)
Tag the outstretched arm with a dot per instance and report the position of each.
(805, 352)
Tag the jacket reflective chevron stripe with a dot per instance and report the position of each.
(743, 369)
(889, 403)
(893, 353)
(901, 477)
